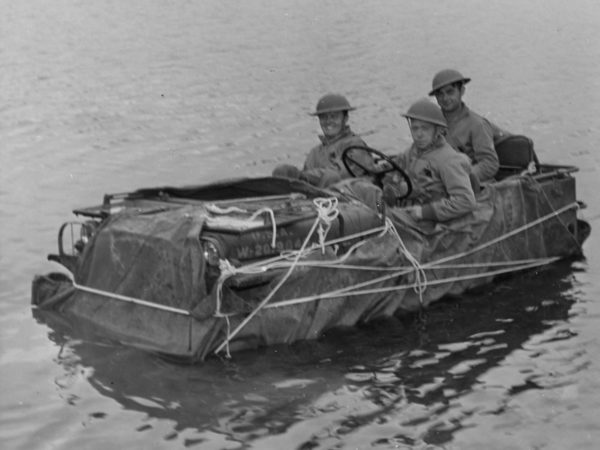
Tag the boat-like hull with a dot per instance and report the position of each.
(239, 264)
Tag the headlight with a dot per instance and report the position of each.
(211, 253)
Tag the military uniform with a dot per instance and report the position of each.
(328, 154)
(441, 183)
(323, 165)
(474, 135)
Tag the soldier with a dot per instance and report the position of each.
(323, 165)
(442, 187)
(468, 132)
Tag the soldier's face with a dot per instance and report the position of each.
(450, 97)
(332, 123)
(423, 133)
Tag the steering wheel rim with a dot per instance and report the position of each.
(346, 158)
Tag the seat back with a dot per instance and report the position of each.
(515, 153)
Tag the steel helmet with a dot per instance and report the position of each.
(446, 77)
(332, 103)
(426, 111)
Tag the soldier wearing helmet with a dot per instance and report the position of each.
(323, 165)
(442, 187)
(468, 132)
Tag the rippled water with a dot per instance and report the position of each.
(109, 96)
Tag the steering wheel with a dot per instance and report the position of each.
(347, 159)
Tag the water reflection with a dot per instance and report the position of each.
(403, 382)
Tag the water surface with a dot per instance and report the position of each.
(110, 96)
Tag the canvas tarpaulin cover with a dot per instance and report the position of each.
(157, 257)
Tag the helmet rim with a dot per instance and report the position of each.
(426, 111)
(332, 103)
(446, 77)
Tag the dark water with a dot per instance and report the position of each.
(109, 96)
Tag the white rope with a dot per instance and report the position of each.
(226, 270)
(330, 263)
(125, 298)
(514, 262)
(228, 353)
(273, 223)
(530, 170)
(290, 254)
(420, 283)
(507, 235)
(540, 187)
(344, 292)
(211, 207)
(327, 212)
(231, 335)
(437, 264)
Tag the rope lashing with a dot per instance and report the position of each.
(226, 270)
(436, 264)
(249, 317)
(327, 212)
(227, 352)
(335, 263)
(549, 203)
(420, 283)
(348, 293)
(271, 214)
(507, 235)
(330, 212)
(229, 270)
(211, 207)
(125, 298)
(288, 255)
(407, 269)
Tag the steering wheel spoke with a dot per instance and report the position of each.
(351, 161)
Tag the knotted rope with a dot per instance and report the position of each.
(327, 212)
(322, 204)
